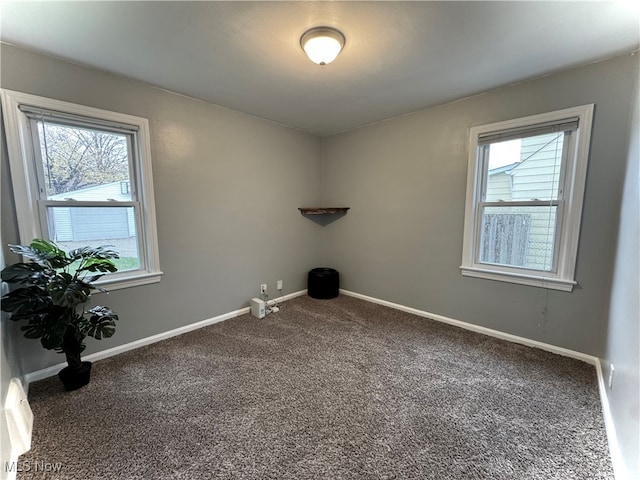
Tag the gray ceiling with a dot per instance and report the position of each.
(399, 56)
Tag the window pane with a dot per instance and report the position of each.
(74, 227)
(84, 164)
(525, 169)
(518, 236)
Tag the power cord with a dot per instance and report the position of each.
(276, 303)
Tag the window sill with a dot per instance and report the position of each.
(134, 280)
(520, 278)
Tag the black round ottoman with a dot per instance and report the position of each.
(323, 283)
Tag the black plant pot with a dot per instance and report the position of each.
(75, 378)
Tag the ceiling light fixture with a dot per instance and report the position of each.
(322, 44)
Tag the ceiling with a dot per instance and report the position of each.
(399, 56)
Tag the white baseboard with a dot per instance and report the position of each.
(53, 370)
(476, 328)
(619, 468)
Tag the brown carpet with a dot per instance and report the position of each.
(325, 389)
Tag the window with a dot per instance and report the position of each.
(82, 176)
(525, 187)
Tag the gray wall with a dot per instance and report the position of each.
(227, 188)
(405, 181)
(623, 335)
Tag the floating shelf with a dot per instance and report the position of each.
(323, 211)
(323, 215)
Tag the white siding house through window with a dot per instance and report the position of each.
(530, 229)
(96, 223)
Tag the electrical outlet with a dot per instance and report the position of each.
(613, 369)
(279, 285)
(263, 288)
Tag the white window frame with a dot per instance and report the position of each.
(569, 202)
(24, 178)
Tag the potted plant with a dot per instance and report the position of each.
(50, 293)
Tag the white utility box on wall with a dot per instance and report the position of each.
(258, 308)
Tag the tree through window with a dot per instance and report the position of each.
(74, 157)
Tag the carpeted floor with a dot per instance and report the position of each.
(324, 389)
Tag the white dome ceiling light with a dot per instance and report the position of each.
(322, 44)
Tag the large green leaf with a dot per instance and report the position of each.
(98, 265)
(100, 324)
(102, 252)
(32, 299)
(18, 317)
(43, 252)
(67, 292)
(50, 330)
(25, 273)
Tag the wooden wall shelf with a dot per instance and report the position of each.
(323, 211)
